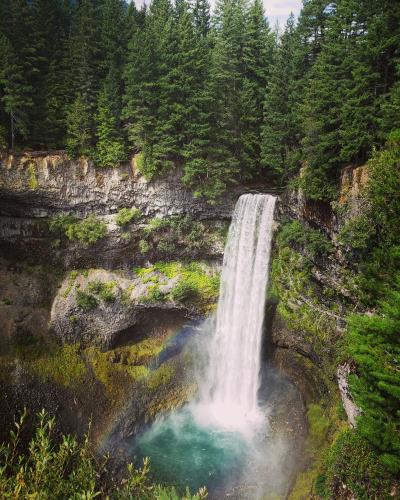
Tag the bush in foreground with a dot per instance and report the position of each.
(63, 468)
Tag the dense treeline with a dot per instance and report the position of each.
(221, 95)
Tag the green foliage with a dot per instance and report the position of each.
(62, 365)
(353, 462)
(373, 343)
(144, 247)
(60, 223)
(322, 426)
(116, 377)
(85, 301)
(105, 291)
(313, 241)
(319, 424)
(178, 235)
(110, 148)
(278, 133)
(32, 180)
(79, 133)
(357, 232)
(154, 294)
(53, 468)
(185, 291)
(47, 469)
(196, 284)
(160, 377)
(372, 235)
(221, 97)
(299, 298)
(87, 231)
(125, 215)
(146, 166)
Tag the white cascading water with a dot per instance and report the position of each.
(228, 394)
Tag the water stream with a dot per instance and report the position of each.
(229, 390)
(223, 435)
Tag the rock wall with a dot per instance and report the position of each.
(42, 185)
(36, 187)
(304, 354)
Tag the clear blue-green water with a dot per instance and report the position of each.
(184, 453)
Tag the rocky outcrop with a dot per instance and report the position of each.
(36, 187)
(100, 307)
(302, 353)
(44, 184)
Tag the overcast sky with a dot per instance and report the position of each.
(276, 10)
(279, 10)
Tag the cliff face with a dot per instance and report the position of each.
(36, 188)
(312, 291)
(42, 185)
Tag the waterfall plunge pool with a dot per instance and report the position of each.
(186, 451)
(223, 441)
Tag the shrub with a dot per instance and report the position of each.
(88, 231)
(85, 301)
(357, 232)
(126, 236)
(154, 294)
(105, 291)
(32, 180)
(313, 241)
(125, 215)
(155, 224)
(60, 223)
(195, 285)
(144, 247)
(352, 461)
(57, 467)
(185, 291)
(47, 469)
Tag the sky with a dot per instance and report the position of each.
(279, 10)
(276, 10)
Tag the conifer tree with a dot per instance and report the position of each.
(20, 60)
(79, 129)
(279, 132)
(51, 26)
(202, 18)
(84, 63)
(16, 92)
(146, 68)
(227, 83)
(258, 51)
(373, 342)
(110, 147)
(111, 144)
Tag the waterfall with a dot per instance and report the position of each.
(231, 382)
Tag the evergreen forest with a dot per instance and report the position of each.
(223, 95)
